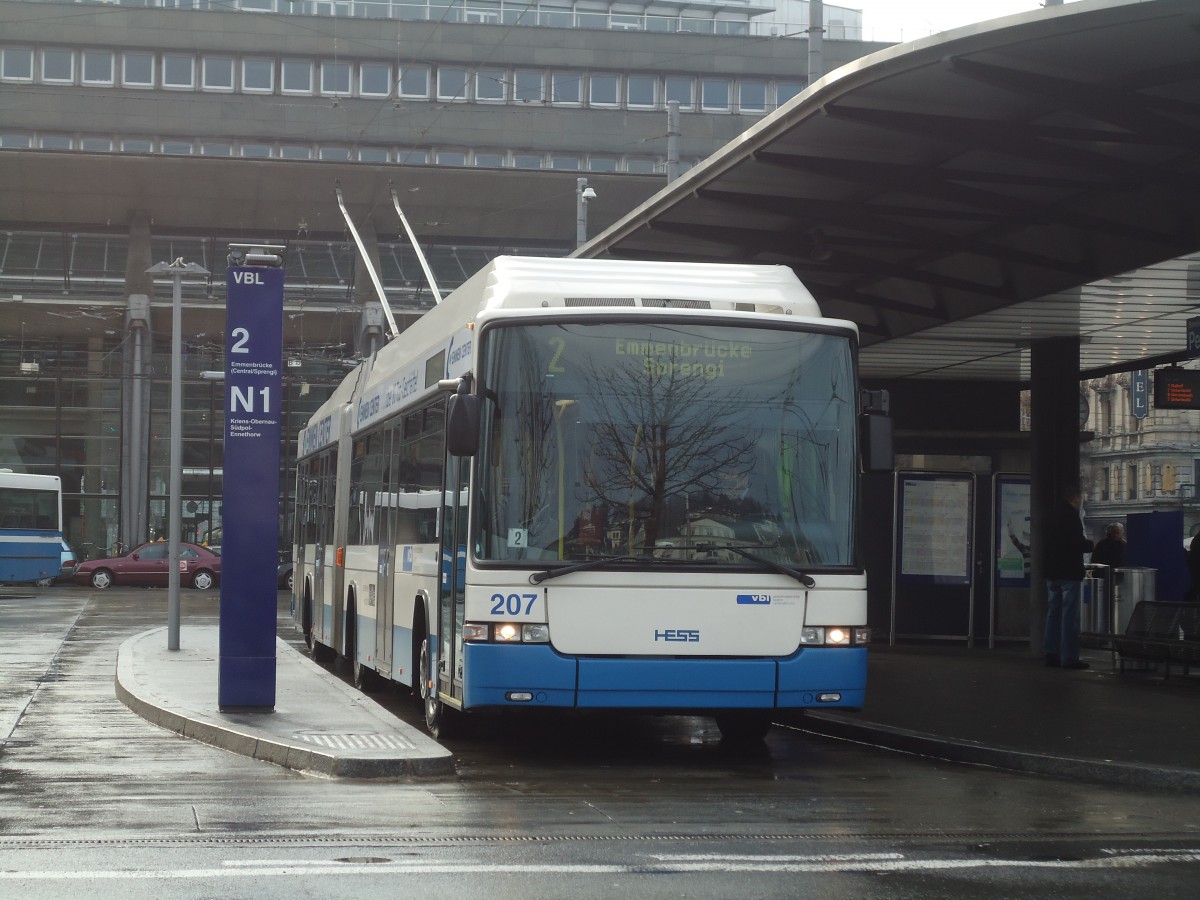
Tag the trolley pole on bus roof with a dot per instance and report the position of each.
(176, 270)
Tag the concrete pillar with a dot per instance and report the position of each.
(135, 384)
(1054, 398)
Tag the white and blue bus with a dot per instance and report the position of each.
(596, 484)
(30, 527)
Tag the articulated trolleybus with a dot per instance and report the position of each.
(30, 527)
(595, 484)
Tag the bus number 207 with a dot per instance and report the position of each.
(511, 605)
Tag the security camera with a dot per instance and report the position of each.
(588, 194)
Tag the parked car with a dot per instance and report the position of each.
(68, 560)
(146, 565)
(285, 575)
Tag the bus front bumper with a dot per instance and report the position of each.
(507, 675)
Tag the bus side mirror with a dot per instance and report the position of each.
(875, 431)
(877, 453)
(462, 424)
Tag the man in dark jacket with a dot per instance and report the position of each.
(1063, 569)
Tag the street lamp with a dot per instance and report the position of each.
(176, 270)
(583, 194)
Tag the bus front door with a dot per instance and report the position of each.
(451, 591)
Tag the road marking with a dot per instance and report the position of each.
(682, 866)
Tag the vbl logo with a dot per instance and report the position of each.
(678, 635)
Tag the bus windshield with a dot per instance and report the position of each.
(666, 440)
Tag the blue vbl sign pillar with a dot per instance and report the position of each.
(250, 506)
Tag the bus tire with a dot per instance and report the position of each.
(441, 721)
(320, 653)
(744, 726)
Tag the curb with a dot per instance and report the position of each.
(226, 735)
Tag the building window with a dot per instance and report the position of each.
(451, 158)
(1132, 483)
(752, 97)
(216, 148)
(602, 90)
(372, 155)
(714, 94)
(258, 75)
(15, 141)
(786, 90)
(641, 91)
(564, 87)
(528, 87)
(16, 64)
(490, 160)
(137, 145)
(601, 164)
(374, 80)
(682, 90)
(334, 154)
(641, 166)
(54, 142)
(571, 163)
(412, 157)
(96, 145)
(292, 151)
(137, 69)
(178, 71)
(527, 161)
(335, 78)
(58, 66)
(218, 73)
(177, 148)
(1104, 482)
(451, 83)
(297, 76)
(414, 81)
(256, 151)
(98, 67)
(490, 84)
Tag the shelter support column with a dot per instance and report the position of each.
(1054, 398)
(135, 384)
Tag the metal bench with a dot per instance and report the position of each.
(1161, 632)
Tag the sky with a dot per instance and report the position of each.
(894, 20)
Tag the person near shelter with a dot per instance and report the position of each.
(1063, 571)
(1193, 565)
(1110, 550)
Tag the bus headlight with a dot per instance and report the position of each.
(834, 636)
(475, 631)
(506, 632)
(535, 634)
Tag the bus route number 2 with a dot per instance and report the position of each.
(512, 604)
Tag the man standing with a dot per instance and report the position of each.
(1063, 569)
(1110, 551)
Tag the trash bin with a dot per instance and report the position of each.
(1095, 615)
(1129, 587)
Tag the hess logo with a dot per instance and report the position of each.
(678, 635)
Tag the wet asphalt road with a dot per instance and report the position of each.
(92, 795)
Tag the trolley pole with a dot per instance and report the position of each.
(176, 270)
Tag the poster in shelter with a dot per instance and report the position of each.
(935, 528)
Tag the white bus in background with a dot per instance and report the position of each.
(594, 484)
(30, 527)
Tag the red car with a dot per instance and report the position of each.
(146, 565)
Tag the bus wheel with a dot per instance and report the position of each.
(320, 653)
(744, 726)
(366, 679)
(440, 720)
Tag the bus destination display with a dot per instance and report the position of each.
(1176, 388)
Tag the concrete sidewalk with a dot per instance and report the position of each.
(1003, 708)
(177, 689)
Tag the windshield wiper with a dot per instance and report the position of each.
(539, 577)
(803, 577)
